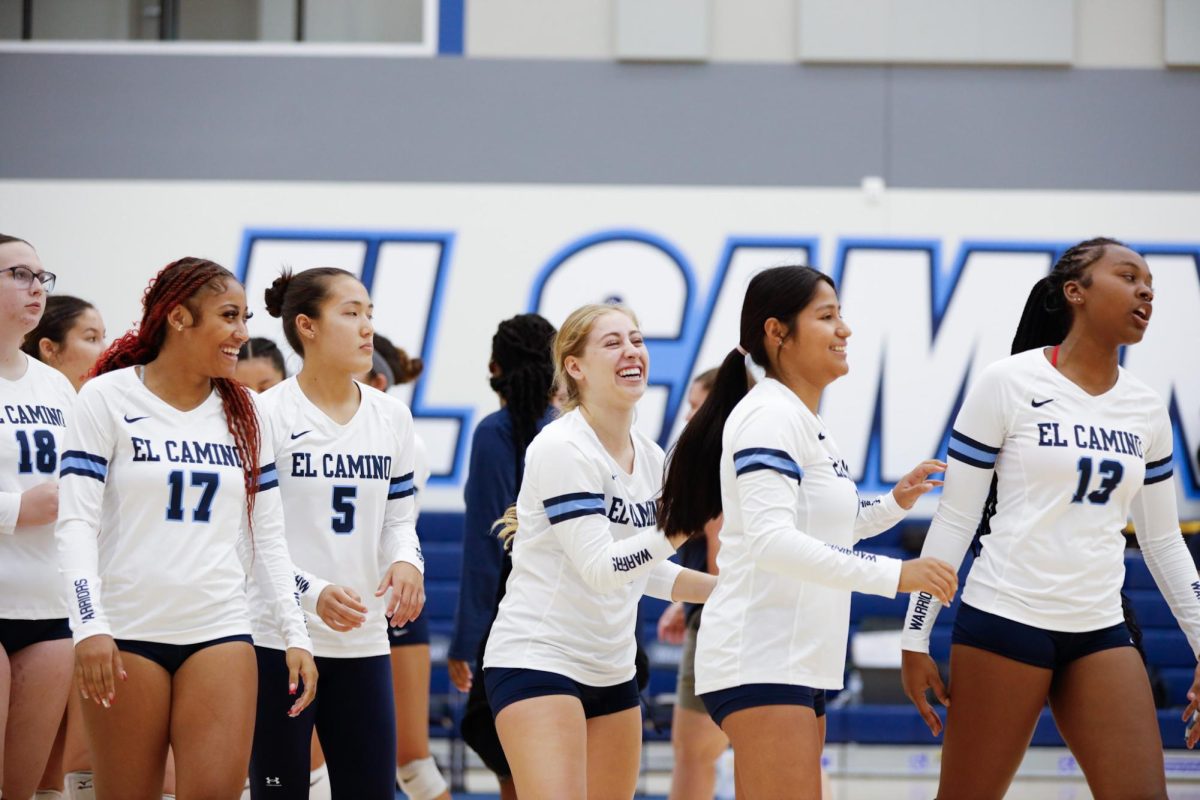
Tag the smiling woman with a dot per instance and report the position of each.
(155, 551)
(773, 637)
(559, 662)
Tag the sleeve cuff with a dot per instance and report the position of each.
(90, 630)
(409, 556)
(888, 582)
(915, 644)
(661, 583)
(310, 596)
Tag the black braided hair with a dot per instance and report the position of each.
(1045, 321)
(522, 355)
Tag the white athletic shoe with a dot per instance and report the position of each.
(318, 784)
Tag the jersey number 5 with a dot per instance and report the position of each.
(1111, 473)
(343, 509)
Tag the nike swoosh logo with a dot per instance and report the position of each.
(1039, 404)
(135, 419)
(301, 433)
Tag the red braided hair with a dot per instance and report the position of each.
(176, 284)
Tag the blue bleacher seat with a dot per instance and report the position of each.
(1137, 574)
(650, 609)
(443, 561)
(1178, 681)
(1170, 726)
(1167, 648)
(441, 598)
(440, 526)
(1151, 609)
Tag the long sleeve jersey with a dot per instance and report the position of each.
(35, 411)
(152, 521)
(348, 509)
(1070, 468)
(781, 609)
(587, 547)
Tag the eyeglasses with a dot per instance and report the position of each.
(23, 277)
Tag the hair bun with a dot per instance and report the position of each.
(409, 368)
(274, 294)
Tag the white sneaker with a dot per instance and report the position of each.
(318, 784)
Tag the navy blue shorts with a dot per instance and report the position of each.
(507, 685)
(415, 632)
(171, 656)
(723, 702)
(354, 715)
(17, 634)
(1030, 645)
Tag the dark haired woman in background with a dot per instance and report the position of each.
(346, 479)
(260, 364)
(168, 498)
(1069, 444)
(522, 375)
(775, 628)
(70, 337)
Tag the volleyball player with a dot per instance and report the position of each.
(345, 458)
(774, 633)
(260, 364)
(69, 338)
(35, 646)
(559, 662)
(521, 372)
(417, 773)
(168, 498)
(1069, 444)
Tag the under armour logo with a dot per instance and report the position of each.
(273, 782)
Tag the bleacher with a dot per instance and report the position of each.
(848, 720)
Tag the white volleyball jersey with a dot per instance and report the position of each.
(587, 547)
(35, 410)
(348, 509)
(1069, 467)
(152, 527)
(781, 609)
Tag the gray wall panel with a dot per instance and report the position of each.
(474, 120)
(1045, 129)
